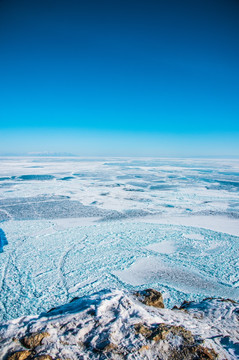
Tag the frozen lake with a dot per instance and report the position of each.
(72, 226)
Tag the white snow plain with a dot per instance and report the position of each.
(74, 226)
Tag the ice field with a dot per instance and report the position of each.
(73, 226)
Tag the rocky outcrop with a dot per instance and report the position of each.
(19, 355)
(33, 340)
(28, 355)
(163, 331)
(189, 349)
(30, 342)
(151, 297)
(115, 325)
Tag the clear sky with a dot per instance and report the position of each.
(120, 77)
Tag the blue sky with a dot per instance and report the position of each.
(144, 78)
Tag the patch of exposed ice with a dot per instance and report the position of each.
(194, 236)
(217, 223)
(163, 247)
(145, 271)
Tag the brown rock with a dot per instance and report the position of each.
(20, 355)
(162, 331)
(205, 353)
(111, 347)
(43, 357)
(144, 347)
(143, 330)
(189, 349)
(166, 330)
(151, 297)
(33, 340)
(193, 353)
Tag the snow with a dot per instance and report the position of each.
(84, 328)
(217, 223)
(163, 247)
(190, 281)
(194, 236)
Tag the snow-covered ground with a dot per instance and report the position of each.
(73, 226)
(116, 325)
